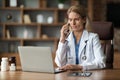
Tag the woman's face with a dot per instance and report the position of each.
(75, 21)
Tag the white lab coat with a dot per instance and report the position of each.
(65, 53)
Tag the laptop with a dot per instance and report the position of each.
(37, 59)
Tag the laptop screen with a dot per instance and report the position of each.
(37, 59)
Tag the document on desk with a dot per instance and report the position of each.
(82, 74)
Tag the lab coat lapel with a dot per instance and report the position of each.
(71, 43)
(84, 38)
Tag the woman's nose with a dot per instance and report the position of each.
(73, 22)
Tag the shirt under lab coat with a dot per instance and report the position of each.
(65, 53)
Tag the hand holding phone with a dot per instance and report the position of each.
(65, 31)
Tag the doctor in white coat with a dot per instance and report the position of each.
(78, 49)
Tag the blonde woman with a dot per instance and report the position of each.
(78, 49)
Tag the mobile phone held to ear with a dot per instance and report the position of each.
(67, 32)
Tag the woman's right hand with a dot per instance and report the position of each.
(71, 67)
(64, 32)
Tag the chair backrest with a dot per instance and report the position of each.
(106, 34)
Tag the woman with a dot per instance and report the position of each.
(79, 49)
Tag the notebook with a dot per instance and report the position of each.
(37, 59)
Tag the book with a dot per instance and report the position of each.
(8, 34)
(27, 18)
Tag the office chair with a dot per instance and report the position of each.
(106, 34)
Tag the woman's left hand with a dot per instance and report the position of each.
(71, 67)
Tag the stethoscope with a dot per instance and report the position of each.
(84, 57)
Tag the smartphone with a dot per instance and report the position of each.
(82, 74)
(67, 32)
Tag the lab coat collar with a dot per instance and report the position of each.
(83, 41)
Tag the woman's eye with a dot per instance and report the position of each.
(70, 19)
(77, 19)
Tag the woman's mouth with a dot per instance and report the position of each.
(74, 27)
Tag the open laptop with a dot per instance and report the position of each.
(37, 59)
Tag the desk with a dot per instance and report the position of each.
(113, 74)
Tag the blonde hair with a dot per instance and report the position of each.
(82, 11)
(88, 25)
(78, 9)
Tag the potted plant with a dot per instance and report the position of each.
(61, 4)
